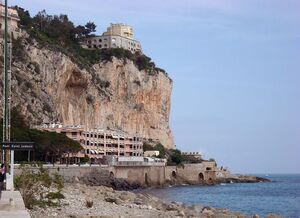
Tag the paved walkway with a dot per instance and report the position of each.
(12, 205)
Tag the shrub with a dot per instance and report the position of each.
(55, 195)
(174, 157)
(47, 107)
(35, 187)
(86, 159)
(90, 99)
(18, 50)
(158, 147)
(89, 204)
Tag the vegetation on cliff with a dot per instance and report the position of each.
(49, 146)
(57, 32)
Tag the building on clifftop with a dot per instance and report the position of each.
(12, 21)
(117, 36)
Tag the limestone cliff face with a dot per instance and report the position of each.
(50, 87)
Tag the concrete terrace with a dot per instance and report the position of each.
(12, 205)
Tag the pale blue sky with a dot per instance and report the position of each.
(235, 67)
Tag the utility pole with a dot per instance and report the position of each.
(7, 155)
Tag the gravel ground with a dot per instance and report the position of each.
(108, 203)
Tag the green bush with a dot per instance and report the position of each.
(158, 147)
(174, 157)
(35, 187)
(55, 195)
(18, 50)
(85, 159)
(89, 204)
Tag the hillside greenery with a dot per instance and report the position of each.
(58, 33)
(49, 146)
(173, 156)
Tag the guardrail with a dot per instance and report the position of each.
(128, 163)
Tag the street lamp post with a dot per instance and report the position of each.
(7, 155)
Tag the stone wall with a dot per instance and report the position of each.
(144, 175)
(170, 172)
(197, 172)
(69, 173)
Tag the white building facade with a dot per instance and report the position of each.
(12, 22)
(116, 36)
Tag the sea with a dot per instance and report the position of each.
(281, 196)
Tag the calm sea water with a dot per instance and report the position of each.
(281, 196)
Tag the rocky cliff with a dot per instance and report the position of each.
(48, 86)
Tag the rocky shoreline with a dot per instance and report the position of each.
(123, 184)
(242, 179)
(104, 202)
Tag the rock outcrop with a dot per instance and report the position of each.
(47, 86)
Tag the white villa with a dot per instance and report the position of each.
(116, 36)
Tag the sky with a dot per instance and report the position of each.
(235, 65)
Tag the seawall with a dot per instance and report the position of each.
(143, 175)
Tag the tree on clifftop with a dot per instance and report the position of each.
(25, 19)
(90, 27)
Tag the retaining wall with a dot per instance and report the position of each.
(146, 175)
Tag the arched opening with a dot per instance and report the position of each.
(201, 176)
(111, 175)
(174, 175)
(208, 168)
(146, 179)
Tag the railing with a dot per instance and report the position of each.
(137, 163)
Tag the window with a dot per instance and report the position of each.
(100, 40)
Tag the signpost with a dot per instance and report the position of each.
(20, 146)
(14, 146)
